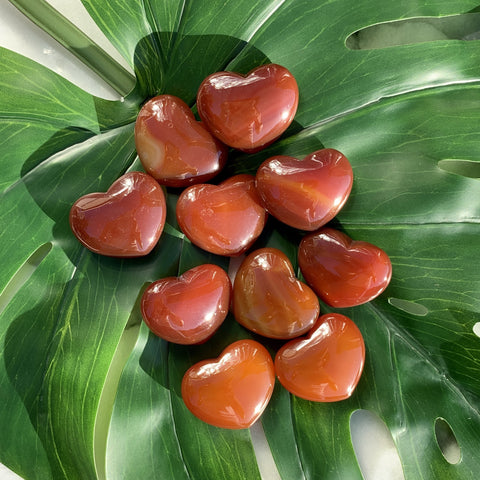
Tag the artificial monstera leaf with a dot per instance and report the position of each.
(406, 115)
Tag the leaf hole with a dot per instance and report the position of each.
(465, 168)
(374, 448)
(447, 442)
(476, 329)
(107, 398)
(7, 474)
(23, 274)
(416, 30)
(266, 463)
(409, 307)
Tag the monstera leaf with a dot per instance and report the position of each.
(87, 392)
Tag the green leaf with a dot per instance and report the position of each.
(81, 397)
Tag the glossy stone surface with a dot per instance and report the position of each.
(187, 309)
(233, 390)
(327, 364)
(308, 193)
(343, 272)
(173, 146)
(248, 112)
(224, 219)
(269, 300)
(126, 221)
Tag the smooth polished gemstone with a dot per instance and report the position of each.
(233, 390)
(224, 219)
(248, 112)
(269, 300)
(343, 272)
(126, 221)
(308, 193)
(173, 146)
(327, 364)
(187, 309)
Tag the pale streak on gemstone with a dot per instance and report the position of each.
(152, 152)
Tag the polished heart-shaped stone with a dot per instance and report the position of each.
(248, 112)
(224, 219)
(269, 300)
(327, 364)
(308, 193)
(173, 146)
(187, 309)
(233, 390)
(343, 272)
(126, 221)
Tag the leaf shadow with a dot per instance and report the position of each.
(27, 360)
(169, 62)
(39, 346)
(166, 363)
(60, 140)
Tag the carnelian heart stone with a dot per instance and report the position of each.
(187, 309)
(308, 193)
(126, 221)
(233, 390)
(173, 146)
(269, 300)
(248, 112)
(326, 365)
(343, 272)
(224, 219)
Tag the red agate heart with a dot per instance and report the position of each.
(126, 221)
(173, 147)
(224, 219)
(308, 193)
(343, 272)
(326, 365)
(187, 309)
(233, 390)
(269, 300)
(248, 112)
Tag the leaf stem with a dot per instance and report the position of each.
(74, 40)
